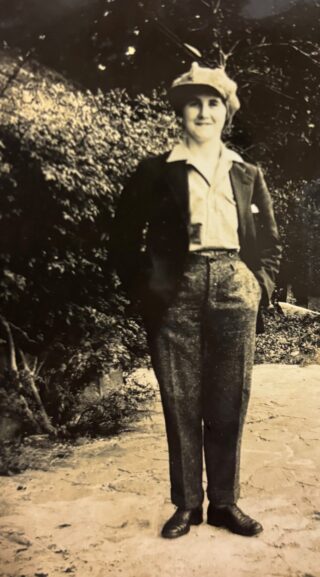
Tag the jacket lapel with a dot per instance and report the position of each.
(176, 177)
(241, 182)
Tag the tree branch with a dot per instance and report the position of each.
(16, 377)
(30, 380)
(30, 414)
(224, 56)
(271, 88)
(215, 6)
(16, 71)
(23, 333)
(12, 351)
(288, 45)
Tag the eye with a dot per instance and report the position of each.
(193, 103)
(214, 102)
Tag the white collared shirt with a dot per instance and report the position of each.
(213, 211)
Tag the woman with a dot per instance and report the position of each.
(186, 245)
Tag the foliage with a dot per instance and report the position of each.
(271, 49)
(291, 340)
(297, 208)
(95, 415)
(113, 412)
(64, 157)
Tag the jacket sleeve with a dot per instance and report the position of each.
(127, 230)
(267, 238)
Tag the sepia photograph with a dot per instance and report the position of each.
(160, 288)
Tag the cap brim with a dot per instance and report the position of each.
(179, 95)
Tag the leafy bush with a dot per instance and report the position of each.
(292, 340)
(114, 411)
(297, 207)
(64, 155)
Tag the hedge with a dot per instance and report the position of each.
(64, 156)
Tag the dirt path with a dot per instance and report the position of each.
(100, 511)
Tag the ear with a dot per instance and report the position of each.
(226, 131)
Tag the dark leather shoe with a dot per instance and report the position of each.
(179, 523)
(232, 518)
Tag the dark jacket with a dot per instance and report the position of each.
(150, 236)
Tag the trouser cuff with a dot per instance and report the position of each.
(190, 502)
(223, 497)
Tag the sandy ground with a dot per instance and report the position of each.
(99, 512)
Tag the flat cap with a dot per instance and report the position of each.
(199, 78)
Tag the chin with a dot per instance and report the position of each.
(213, 136)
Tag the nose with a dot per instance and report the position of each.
(204, 110)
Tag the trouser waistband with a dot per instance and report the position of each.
(215, 253)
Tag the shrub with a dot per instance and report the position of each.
(64, 155)
(297, 207)
(293, 340)
(113, 412)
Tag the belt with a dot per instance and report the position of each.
(216, 252)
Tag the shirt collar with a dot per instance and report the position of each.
(181, 152)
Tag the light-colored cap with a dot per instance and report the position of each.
(198, 78)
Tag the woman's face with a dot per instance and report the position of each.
(204, 116)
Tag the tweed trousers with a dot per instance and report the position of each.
(202, 353)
